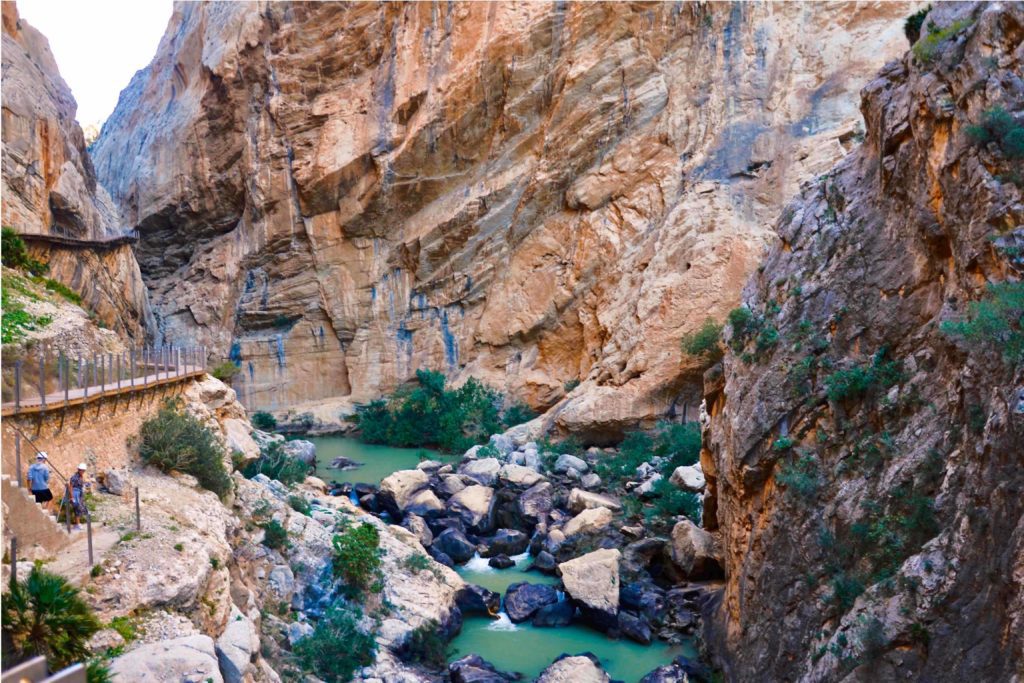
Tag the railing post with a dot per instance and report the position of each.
(110, 367)
(17, 458)
(103, 372)
(84, 384)
(88, 533)
(67, 381)
(79, 371)
(119, 371)
(17, 387)
(14, 560)
(138, 511)
(131, 368)
(42, 379)
(60, 370)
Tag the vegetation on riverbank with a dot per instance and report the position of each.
(173, 440)
(433, 415)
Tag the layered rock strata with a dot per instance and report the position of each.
(538, 195)
(863, 465)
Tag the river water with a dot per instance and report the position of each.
(509, 647)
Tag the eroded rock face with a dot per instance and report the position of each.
(887, 423)
(336, 195)
(49, 185)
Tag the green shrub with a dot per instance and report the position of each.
(44, 615)
(705, 342)
(668, 502)
(357, 557)
(275, 536)
(570, 384)
(800, 478)
(417, 562)
(782, 443)
(678, 444)
(175, 441)
(337, 647)
(845, 591)
(15, 254)
(59, 288)
(179, 547)
(517, 414)
(97, 671)
(299, 504)
(767, 338)
(912, 26)
(998, 126)
(427, 646)
(996, 322)
(264, 421)
(431, 415)
(226, 371)
(930, 47)
(125, 627)
(276, 464)
(740, 320)
(860, 380)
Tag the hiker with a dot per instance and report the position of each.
(39, 481)
(78, 486)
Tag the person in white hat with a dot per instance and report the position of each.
(78, 486)
(39, 480)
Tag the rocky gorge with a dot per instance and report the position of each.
(742, 361)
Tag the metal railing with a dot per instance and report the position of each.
(44, 378)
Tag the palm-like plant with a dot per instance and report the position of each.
(44, 615)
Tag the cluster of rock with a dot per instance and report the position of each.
(504, 500)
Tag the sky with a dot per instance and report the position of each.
(99, 45)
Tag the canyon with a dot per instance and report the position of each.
(539, 196)
(548, 198)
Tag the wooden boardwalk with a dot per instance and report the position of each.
(60, 400)
(74, 243)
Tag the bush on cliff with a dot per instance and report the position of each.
(337, 647)
(276, 464)
(173, 440)
(44, 615)
(357, 558)
(15, 254)
(998, 126)
(996, 322)
(264, 421)
(675, 444)
(430, 414)
(705, 342)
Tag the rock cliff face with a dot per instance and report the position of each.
(49, 185)
(865, 464)
(334, 195)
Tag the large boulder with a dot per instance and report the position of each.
(502, 443)
(578, 669)
(451, 484)
(694, 552)
(189, 658)
(399, 488)
(473, 599)
(567, 462)
(118, 481)
(557, 614)
(302, 450)
(535, 503)
(474, 505)
(424, 503)
(580, 500)
(418, 526)
(522, 600)
(588, 522)
(688, 478)
(592, 581)
(485, 470)
(237, 647)
(475, 669)
(454, 544)
(679, 671)
(635, 627)
(519, 475)
(507, 542)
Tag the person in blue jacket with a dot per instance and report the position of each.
(39, 481)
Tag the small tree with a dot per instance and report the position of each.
(357, 557)
(45, 615)
(276, 464)
(274, 535)
(704, 342)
